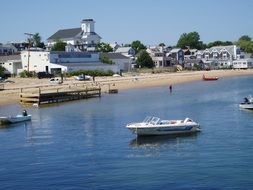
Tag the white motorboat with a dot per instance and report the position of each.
(247, 104)
(15, 119)
(156, 126)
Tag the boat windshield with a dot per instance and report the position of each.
(147, 119)
(154, 120)
(151, 120)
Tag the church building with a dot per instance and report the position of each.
(84, 38)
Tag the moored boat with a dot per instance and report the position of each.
(15, 119)
(156, 126)
(247, 104)
(209, 78)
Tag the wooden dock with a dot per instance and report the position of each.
(59, 95)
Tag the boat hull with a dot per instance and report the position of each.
(15, 119)
(169, 130)
(246, 106)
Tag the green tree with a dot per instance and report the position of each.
(162, 44)
(2, 69)
(104, 47)
(191, 39)
(245, 44)
(219, 43)
(137, 45)
(37, 41)
(105, 59)
(59, 46)
(245, 38)
(144, 60)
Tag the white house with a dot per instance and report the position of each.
(83, 38)
(123, 62)
(11, 63)
(57, 62)
(243, 63)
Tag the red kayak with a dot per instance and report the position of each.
(210, 78)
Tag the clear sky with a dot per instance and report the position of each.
(123, 21)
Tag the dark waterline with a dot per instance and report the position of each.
(85, 145)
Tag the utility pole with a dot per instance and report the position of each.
(30, 36)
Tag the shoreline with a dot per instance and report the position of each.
(10, 96)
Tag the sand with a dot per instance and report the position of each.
(13, 86)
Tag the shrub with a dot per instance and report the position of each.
(26, 74)
(91, 73)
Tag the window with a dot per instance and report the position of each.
(10, 64)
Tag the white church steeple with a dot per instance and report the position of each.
(88, 25)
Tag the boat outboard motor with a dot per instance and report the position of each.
(24, 113)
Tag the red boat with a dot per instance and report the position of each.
(210, 78)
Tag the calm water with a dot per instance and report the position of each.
(85, 145)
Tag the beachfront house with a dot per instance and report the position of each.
(243, 63)
(177, 55)
(58, 62)
(158, 55)
(84, 38)
(219, 56)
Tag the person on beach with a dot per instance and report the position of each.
(170, 88)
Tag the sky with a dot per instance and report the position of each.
(123, 21)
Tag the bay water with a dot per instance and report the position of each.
(85, 145)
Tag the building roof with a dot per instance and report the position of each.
(10, 57)
(230, 49)
(66, 33)
(175, 50)
(123, 49)
(114, 55)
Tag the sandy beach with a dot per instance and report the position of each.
(10, 94)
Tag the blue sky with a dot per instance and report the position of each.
(123, 21)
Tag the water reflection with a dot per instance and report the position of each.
(157, 141)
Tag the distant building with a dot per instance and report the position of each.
(126, 51)
(84, 38)
(158, 55)
(11, 63)
(123, 62)
(8, 49)
(177, 55)
(115, 46)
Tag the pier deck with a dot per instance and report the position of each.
(59, 95)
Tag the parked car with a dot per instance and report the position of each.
(41, 75)
(82, 77)
(55, 81)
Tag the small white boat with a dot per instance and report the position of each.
(156, 126)
(247, 104)
(14, 119)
